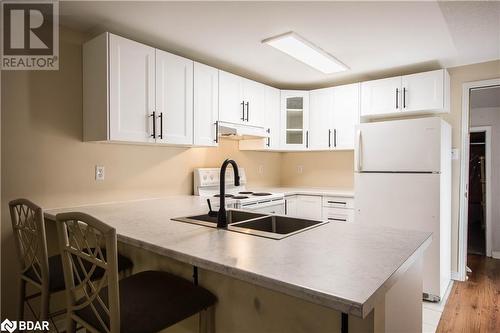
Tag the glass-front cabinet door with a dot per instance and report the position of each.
(295, 112)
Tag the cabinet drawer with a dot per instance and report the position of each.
(338, 202)
(338, 214)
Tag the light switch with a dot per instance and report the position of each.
(99, 172)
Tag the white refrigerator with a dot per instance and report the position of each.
(403, 180)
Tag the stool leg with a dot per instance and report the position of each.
(207, 320)
(22, 296)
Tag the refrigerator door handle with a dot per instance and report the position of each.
(359, 153)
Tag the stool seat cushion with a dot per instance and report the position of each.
(151, 301)
(56, 274)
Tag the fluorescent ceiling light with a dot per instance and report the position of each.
(306, 52)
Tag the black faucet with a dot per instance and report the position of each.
(221, 217)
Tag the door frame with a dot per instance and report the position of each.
(464, 172)
(487, 137)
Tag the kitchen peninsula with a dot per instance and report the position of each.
(373, 276)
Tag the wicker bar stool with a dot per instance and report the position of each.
(44, 273)
(145, 302)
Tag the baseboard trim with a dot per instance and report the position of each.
(495, 254)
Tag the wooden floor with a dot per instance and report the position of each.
(474, 305)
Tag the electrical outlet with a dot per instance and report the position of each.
(261, 169)
(300, 168)
(455, 154)
(99, 172)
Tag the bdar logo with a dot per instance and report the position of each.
(8, 325)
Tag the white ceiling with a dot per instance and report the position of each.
(372, 38)
(485, 98)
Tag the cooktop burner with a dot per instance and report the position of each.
(225, 196)
(245, 192)
(261, 194)
(240, 197)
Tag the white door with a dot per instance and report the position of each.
(231, 104)
(294, 119)
(309, 207)
(321, 109)
(254, 96)
(402, 145)
(131, 90)
(272, 116)
(345, 115)
(380, 97)
(206, 104)
(409, 202)
(423, 91)
(174, 98)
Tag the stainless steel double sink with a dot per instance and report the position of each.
(263, 225)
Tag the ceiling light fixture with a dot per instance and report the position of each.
(306, 52)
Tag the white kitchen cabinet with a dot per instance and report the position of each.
(174, 99)
(206, 104)
(420, 93)
(254, 96)
(309, 207)
(338, 214)
(426, 91)
(272, 117)
(294, 119)
(291, 205)
(321, 110)
(381, 97)
(345, 116)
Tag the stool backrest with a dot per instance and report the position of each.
(88, 244)
(31, 243)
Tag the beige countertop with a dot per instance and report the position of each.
(344, 266)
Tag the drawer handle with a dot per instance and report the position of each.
(337, 202)
(336, 219)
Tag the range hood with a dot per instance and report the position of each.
(241, 132)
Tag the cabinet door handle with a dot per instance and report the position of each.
(359, 154)
(248, 110)
(153, 116)
(335, 138)
(307, 139)
(404, 98)
(216, 140)
(161, 125)
(337, 219)
(337, 202)
(329, 138)
(243, 110)
(397, 99)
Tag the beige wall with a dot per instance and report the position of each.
(491, 117)
(44, 158)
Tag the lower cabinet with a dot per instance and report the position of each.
(304, 206)
(316, 207)
(338, 214)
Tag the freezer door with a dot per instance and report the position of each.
(399, 146)
(410, 202)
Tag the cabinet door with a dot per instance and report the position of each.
(291, 205)
(231, 105)
(320, 118)
(131, 90)
(294, 119)
(309, 207)
(345, 115)
(423, 91)
(174, 98)
(381, 97)
(206, 104)
(254, 96)
(272, 117)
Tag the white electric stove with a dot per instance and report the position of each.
(206, 183)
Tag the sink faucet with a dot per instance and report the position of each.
(221, 217)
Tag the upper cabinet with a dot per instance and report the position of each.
(147, 96)
(333, 115)
(294, 119)
(272, 117)
(174, 98)
(206, 104)
(242, 101)
(426, 92)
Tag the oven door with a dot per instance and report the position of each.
(276, 206)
